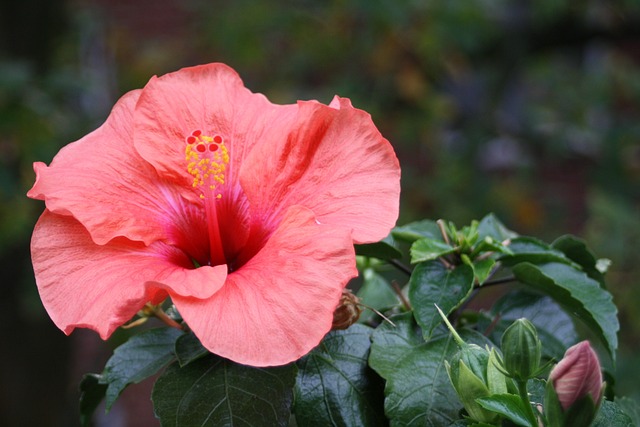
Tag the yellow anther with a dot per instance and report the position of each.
(206, 158)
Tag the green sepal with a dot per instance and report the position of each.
(469, 388)
(472, 355)
(553, 412)
(476, 359)
(581, 413)
(497, 381)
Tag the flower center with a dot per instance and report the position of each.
(207, 158)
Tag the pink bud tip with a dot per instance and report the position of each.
(577, 374)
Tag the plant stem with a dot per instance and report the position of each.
(499, 281)
(400, 266)
(160, 314)
(398, 290)
(524, 395)
(443, 231)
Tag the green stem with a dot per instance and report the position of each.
(524, 395)
(400, 266)
(451, 328)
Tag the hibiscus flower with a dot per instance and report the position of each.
(243, 212)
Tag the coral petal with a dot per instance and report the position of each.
(82, 284)
(102, 181)
(279, 305)
(210, 98)
(335, 162)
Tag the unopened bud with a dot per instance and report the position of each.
(473, 375)
(521, 349)
(468, 375)
(577, 375)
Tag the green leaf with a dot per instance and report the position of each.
(376, 293)
(509, 406)
(91, 394)
(612, 415)
(555, 327)
(189, 348)
(536, 389)
(432, 283)
(528, 249)
(383, 249)
(390, 343)
(418, 391)
(631, 408)
(137, 359)
(216, 392)
(489, 244)
(482, 269)
(417, 230)
(576, 250)
(429, 249)
(335, 386)
(469, 423)
(490, 226)
(577, 294)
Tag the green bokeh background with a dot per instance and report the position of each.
(529, 109)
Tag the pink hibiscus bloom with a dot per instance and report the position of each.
(242, 211)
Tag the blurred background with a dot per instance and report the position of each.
(526, 108)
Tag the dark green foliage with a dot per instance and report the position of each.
(140, 357)
(335, 385)
(214, 392)
(432, 283)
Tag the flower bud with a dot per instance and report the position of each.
(577, 376)
(521, 349)
(468, 375)
(473, 374)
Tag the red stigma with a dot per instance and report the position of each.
(196, 133)
(191, 139)
(217, 139)
(201, 148)
(213, 147)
